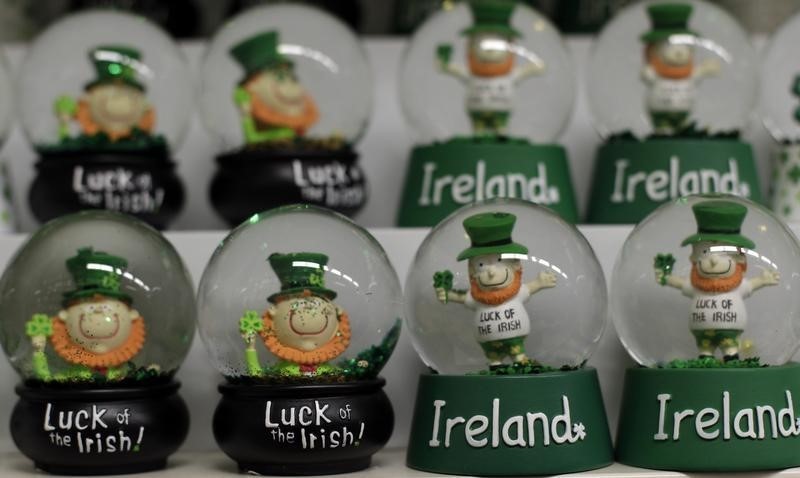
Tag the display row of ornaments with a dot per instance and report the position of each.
(486, 85)
(505, 302)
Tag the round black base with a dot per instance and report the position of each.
(133, 182)
(303, 429)
(99, 431)
(251, 181)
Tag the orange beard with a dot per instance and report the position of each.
(335, 346)
(718, 284)
(496, 296)
(266, 117)
(489, 69)
(90, 128)
(664, 70)
(75, 353)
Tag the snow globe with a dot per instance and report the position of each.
(96, 315)
(486, 86)
(780, 110)
(300, 309)
(670, 85)
(506, 322)
(104, 97)
(6, 115)
(286, 94)
(715, 389)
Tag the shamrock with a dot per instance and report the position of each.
(665, 263)
(443, 280)
(251, 323)
(39, 325)
(110, 281)
(315, 279)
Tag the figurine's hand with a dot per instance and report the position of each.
(65, 107)
(39, 342)
(547, 279)
(441, 295)
(659, 276)
(770, 277)
(710, 67)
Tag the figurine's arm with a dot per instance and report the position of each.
(648, 74)
(767, 278)
(545, 280)
(65, 108)
(668, 279)
(251, 325)
(443, 53)
(709, 67)
(533, 68)
(39, 328)
(445, 296)
(242, 99)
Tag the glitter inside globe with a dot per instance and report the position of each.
(96, 298)
(299, 293)
(708, 279)
(503, 278)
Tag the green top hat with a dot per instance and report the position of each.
(299, 272)
(95, 272)
(490, 233)
(719, 221)
(491, 16)
(668, 19)
(259, 52)
(115, 63)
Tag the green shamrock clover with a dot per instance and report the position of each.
(315, 279)
(443, 280)
(251, 323)
(665, 263)
(110, 281)
(39, 325)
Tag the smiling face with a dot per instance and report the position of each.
(116, 107)
(491, 272)
(675, 54)
(280, 90)
(716, 260)
(305, 323)
(490, 55)
(99, 325)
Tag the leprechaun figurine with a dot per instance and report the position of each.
(97, 330)
(272, 103)
(670, 73)
(114, 104)
(490, 56)
(717, 284)
(302, 326)
(497, 293)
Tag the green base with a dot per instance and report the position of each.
(632, 177)
(443, 177)
(709, 440)
(498, 411)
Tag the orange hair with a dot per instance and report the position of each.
(335, 346)
(75, 353)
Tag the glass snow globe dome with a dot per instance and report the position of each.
(478, 55)
(285, 72)
(105, 80)
(96, 298)
(299, 294)
(671, 55)
(708, 280)
(505, 285)
(780, 80)
(7, 94)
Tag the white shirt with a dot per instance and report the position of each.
(671, 95)
(502, 321)
(718, 310)
(492, 93)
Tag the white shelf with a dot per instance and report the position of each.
(387, 463)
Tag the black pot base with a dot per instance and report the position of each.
(314, 429)
(99, 431)
(250, 181)
(143, 185)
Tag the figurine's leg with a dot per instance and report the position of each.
(729, 344)
(500, 122)
(494, 352)
(476, 119)
(516, 349)
(661, 122)
(706, 343)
